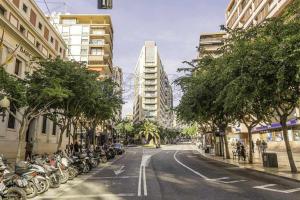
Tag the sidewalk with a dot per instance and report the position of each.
(283, 169)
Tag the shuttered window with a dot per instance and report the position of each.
(32, 17)
(17, 3)
(46, 33)
(56, 45)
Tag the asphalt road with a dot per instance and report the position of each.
(174, 172)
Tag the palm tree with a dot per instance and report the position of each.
(150, 131)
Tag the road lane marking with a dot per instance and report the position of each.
(140, 182)
(145, 182)
(195, 172)
(219, 180)
(87, 196)
(119, 171)
(113, 177)
(267, 187)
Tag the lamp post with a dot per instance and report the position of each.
(4, 104)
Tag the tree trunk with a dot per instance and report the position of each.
(250, 145)
(226, 146)
(60, 138)
(21, 143)
(288, 147)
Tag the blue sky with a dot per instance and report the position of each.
(175, 25)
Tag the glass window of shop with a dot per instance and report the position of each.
(275, 136)
(296, 134)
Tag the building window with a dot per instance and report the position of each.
(84, 41)
(14, 21)
(96, 51)
(32, 17)
(69, 21)
(22, 29)
(84, 51)
(18, 66)
(40, 26)
(60, 50)
(30, 37)
(38, 45)
(44, 51)
(46, 33)
(56, 45)
(2, 11)
(51, 39)
(25, 8)
(11, 119)
(16, 2)
(44, 125)
(54, 129)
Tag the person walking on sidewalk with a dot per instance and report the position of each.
(252, 146)
(258, 145)
(264, 146)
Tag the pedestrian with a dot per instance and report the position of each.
(252, 146)
(71, 147)
(29, 148)
(258, 145)
(264, 146)
(76, 147)
(243, 152)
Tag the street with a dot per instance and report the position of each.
(173, 172)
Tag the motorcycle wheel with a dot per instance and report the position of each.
(44, 185)
(54, 181)
(15, 193)
(63, 178)
(71, 174)
(104, 159)
(31, 190)
(86, 168)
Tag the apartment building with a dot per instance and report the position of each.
(89, 39)
(153, 96)
(210, 44)
(118, 79)
(26, 28)
(246, 13)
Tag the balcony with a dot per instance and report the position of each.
(96, 58)
(151, 70)
(150, 82)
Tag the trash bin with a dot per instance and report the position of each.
(270, 160)
(206, 150)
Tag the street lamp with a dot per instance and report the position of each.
(4, 104)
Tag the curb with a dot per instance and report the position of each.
(246, 168)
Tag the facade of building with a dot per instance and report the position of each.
(243, 14)
(246, 13)
(89, 39)
(210, 44)
(153, 95)
(27, 30)
(118, 78)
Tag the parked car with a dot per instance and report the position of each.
(119, 148)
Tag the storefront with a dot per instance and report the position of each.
(273, 135)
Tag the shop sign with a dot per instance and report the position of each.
(25, 52)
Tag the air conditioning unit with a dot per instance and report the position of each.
(105, 4)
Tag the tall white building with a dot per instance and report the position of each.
(153, 96)
(89, 38)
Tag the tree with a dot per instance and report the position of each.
(200, 102)
(32, 97)
(278, 41)
(150, 131)
(244, 96)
